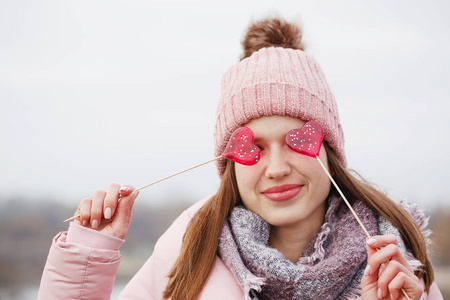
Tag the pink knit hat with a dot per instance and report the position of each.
(276, 81)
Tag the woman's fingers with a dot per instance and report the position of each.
(382, 249)
(402, 281)
(122, 218)
(125, 190)
(85, 211)
(111, 199)
(391, 269)
(396, 274)
(101, 206)
(108, 211)
(97, 208)
(382, 241)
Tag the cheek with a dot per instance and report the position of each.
(322, 182)
(246, 177)
(323, 157)
(311, 168)
(325, 183)
(242, 174)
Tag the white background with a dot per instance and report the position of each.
(93, 92)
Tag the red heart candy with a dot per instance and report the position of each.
(306, 140)
(240, 147)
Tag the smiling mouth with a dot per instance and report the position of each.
(282, 192)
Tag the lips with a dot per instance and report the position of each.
(282, 192)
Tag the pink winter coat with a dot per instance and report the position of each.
(83, 263)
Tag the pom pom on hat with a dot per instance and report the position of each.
(275, 81)
(272, 33)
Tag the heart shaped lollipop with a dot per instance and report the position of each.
(240, 147)
(306, 140)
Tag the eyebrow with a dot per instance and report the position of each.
(259, 139)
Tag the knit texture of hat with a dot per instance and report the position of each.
(276, 81)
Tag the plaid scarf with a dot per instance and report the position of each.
(331, 266)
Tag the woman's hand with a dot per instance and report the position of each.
(395, 275)
(108, 211)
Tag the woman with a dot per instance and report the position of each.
(274, 230)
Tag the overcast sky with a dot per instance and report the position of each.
(94, 92)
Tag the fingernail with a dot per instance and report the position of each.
(123, 188)
(371, 242)
(94, 224)
(85, 222)
(108, 213)
(380, 294)
(368, 270)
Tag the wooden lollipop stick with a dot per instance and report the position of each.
(159, 180)
(343, 197)
(351, 208)
(188, 169)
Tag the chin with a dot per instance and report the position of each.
(282, 220)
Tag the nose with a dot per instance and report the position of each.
(278, 164)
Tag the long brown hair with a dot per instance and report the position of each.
(198, 252)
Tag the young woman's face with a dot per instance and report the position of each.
(285, 188)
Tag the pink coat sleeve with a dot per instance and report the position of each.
(82, 264)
